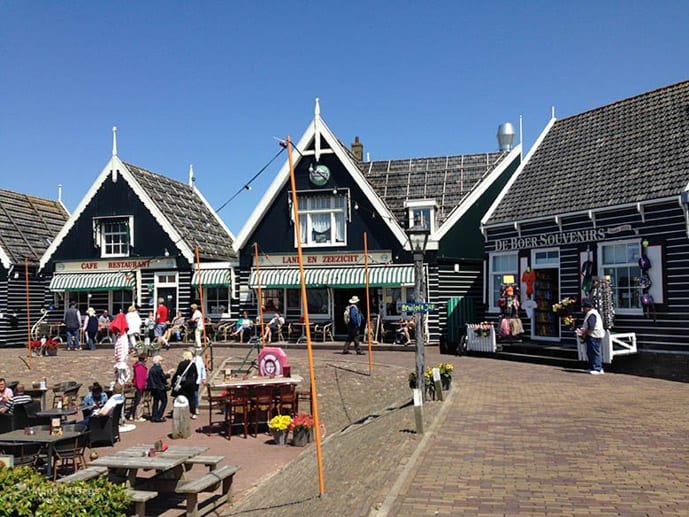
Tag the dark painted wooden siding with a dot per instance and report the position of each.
(662, 224)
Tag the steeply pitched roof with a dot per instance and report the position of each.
(183, 213)
(27, 226)
(631, 151)
(188, 212)
(446, 179)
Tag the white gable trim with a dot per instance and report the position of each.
(461, 209)
(318, 126)
(519, 170)
(5, 259)
(120, 170)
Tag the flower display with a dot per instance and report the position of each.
(481, 329)
(301, 422)
(446, 369)
(568, 321)
(564, 306)
(280, 423)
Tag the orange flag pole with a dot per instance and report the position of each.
(260, 300)
(368, 307)
(28, 312)
(307, 327)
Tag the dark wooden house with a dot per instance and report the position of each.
(134, 238)
(599, 191)
(28, 224)
(343, 197)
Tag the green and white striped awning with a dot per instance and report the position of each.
(378, 276)
(212, 278)
(92, 281)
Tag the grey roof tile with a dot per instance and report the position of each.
(446, 179)
(186, 211)
(633, 150)
(28, 224)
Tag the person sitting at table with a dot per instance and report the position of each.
(20, 398)
(104, 324)
(407, 325)
(273, 326)
(96, 397)
(243, 323)
(157, 385)
(5, 395)
(116, 399)
(176, 328)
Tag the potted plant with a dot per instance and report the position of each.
(279, 426)
(301, 427)
(446, 370)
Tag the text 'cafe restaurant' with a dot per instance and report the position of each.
(331, 280)
(116, 284)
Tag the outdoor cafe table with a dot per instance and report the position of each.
(62, 413)
(41, 436)
(168, 464)
(259, 381)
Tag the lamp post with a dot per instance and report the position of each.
(418, 239)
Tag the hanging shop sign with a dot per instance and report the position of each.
(327, 259)
(543, 240)
(115, 265)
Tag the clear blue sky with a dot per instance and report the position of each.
(212, 82)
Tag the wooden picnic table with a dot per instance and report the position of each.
(259, 381)
(168, 464)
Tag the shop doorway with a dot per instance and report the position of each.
(546, 324)
(341, 300)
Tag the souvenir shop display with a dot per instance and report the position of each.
(510, 324)
(647, 302)
(601, 296)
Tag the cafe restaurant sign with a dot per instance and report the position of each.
(542, 240)
(327, 259)
(118, 264)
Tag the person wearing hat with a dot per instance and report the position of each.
(91, 328)
(592, 333)
(352, 317)
(196, 323)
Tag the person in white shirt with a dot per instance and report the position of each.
(197, 321)
(134, 324)
(201, 377)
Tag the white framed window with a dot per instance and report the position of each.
(550, 257)
(620, 261)
(421, 214)
(323, 220)
(113, 235)
(217, 301)
(501, 265)
(393, 298)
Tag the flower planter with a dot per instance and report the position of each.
(51, 351)
(280, 437)
(446, 381)
(300, 437)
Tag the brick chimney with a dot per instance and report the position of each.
(358, 149)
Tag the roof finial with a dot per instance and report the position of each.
(114, 140)
(191, 175)
(317, 110)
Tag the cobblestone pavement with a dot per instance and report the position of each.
(510, 439)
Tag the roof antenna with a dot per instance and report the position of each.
(114, 140)
(192, 179)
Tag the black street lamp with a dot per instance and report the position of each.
(418, 239)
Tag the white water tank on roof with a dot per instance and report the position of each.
(505, 136)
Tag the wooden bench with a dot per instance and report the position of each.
(208, 483)
(210, 461)
(139, 498)
(84, 475)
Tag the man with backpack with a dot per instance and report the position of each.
(353, 319)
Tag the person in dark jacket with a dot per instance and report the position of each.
(157, 384)
(91, 328)
(72, 326)
(187, 370)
